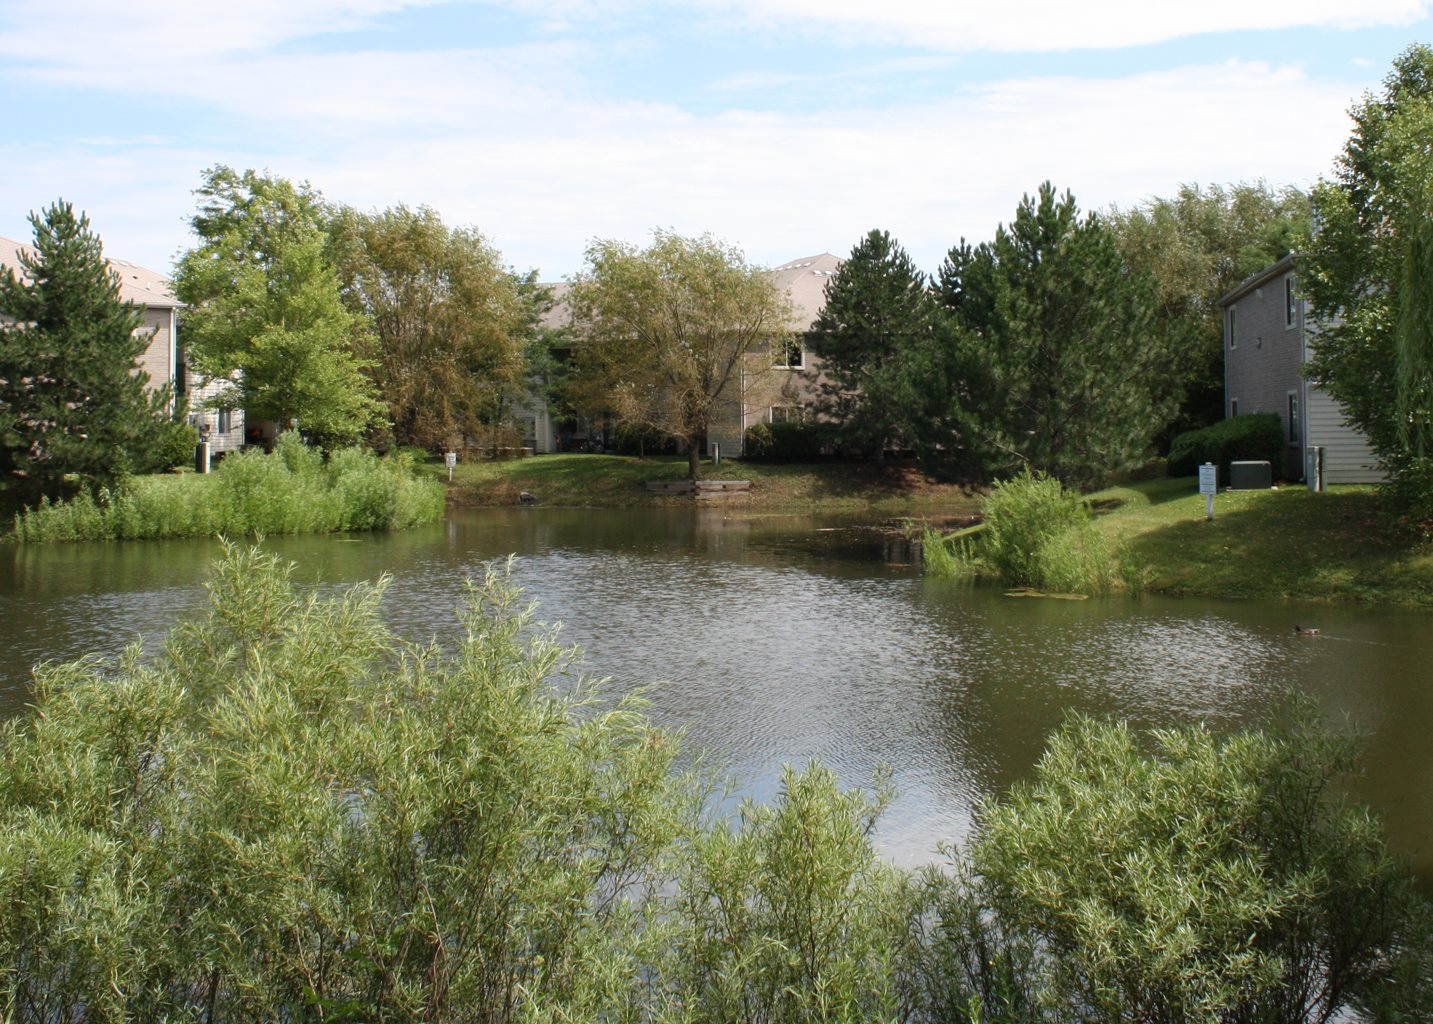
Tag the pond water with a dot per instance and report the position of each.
(778, 640)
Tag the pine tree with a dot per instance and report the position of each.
(1065, 373)
(75, 412)
(874, 337)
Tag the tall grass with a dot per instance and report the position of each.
(1036, 534)
(292, 490)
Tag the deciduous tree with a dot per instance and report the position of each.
(1369, 277)
(673, 333)
(72, 398)
(265, 311)
(1196, 246)
(449, 325)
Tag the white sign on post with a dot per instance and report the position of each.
(1208, 486)
(451, 458)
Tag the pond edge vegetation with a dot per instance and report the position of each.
(291, 814)
(294, 489)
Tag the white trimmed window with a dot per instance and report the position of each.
(787, 414)
(1295, 427)
(1291, 303)
(1233, 341)
(788, 354)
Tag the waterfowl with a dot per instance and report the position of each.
(1305, 631)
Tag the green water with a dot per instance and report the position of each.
(784, 639)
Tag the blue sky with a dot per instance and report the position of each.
(786, 127)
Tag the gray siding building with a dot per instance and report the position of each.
(1267, 341)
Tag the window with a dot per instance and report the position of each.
(1295, 428)
(1291, 303)
(787, 414)
(1233, 407)
(789, 354)
(1233, 342)
(226, 420)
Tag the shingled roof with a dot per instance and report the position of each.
(138, 285)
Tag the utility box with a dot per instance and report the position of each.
(1250, 476)
(201, 457)
(1314, 467)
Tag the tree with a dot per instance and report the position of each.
(674, 333)
(874, 335)
(265, 308)
(1054, 332)
(449, 325)
(1197, 246)
(1368, 276)
(72, 397)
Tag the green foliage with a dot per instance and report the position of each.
(670, 333)
(1035, 533)
(1197, 245)
(291, 815)
(1258, 437)
(74, 413)
(875, 339)
(176, 447)
(788, 441)
(1061, 368)
(788, 915)
(1367, 273)
(1204, 878)
(290, 491)
(265, 310)
(449, 327)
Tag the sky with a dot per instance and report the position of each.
(784, 127)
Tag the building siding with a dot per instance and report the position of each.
(1347, 456)
(1263, 361)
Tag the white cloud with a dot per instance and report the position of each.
(542, 180)
(1045, 25)
(147, 35)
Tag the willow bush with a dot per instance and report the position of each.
(292, 490)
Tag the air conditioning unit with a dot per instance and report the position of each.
(1250, 476)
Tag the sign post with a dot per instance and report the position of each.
(451, 458)
(1208, 486)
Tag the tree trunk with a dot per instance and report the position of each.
(694, 454)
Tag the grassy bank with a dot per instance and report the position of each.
(293, 490)
(1271, 545)
(618, 481)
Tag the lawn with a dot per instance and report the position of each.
(617, 481)
(1275, 544)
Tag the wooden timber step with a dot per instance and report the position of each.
(701, 488)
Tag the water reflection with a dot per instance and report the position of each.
(778, 640)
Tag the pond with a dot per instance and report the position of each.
(778, 640)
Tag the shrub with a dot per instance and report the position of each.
(788, 915)
(176, 446)
(1035, 533)
(1200, 878)
(289, 815)
(291, 490)
(758, 441)
(788, 441)
(1258, 437)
